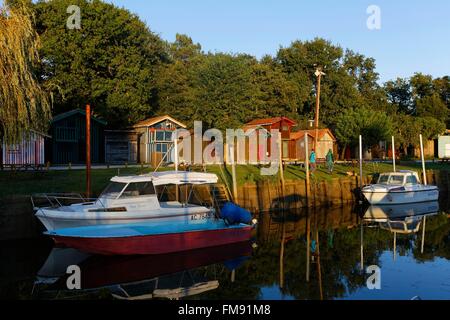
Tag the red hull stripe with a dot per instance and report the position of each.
(157, 244)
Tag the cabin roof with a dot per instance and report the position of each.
(170, 177)
(404, 172)
(73, 112)
(268, 121)
(312, 133)
(152, 121)
(299, 134)
(251, 128)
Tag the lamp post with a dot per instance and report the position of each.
(319, 75)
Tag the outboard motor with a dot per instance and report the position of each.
(233, 214)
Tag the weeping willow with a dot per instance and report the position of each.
(24, 105)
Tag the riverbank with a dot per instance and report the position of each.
(255, 192)
(25, 183)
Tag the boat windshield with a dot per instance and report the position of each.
(136, 189)
(391, 179)
(113, 190)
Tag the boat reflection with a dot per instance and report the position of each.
(406, 219)
(383, 213)
(172, 276)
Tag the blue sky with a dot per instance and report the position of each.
(414, 34)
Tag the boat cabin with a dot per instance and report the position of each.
(402, 177)
(141, 191)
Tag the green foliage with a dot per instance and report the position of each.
(110, 62)
(373, 125)
(24, 105)
(127, 73)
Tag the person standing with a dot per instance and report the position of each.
(312, 161)
(330, 161)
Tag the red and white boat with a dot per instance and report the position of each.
(152, 238)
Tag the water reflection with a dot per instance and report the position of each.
(304, 254)
(172, 276)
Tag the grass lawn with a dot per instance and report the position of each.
(27, 182)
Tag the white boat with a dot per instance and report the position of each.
(399, 188)
(130, 199)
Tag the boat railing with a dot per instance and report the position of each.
(55, 200)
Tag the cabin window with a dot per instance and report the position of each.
(162, 135)
(113, 190)
(396, 179)
(411, 179)
(161, 147)
(383, 179)
(136, 189)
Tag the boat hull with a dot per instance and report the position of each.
(401, 197)
(156, 244)
(54, 219)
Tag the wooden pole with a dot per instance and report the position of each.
(362, 246)
(175, 147)
(88, 151)
(395, 245)
(316, 119)
(360, 162)
(283, 237)
(280, 159)
(308, 243)
(423, 234)
(233, 172)
(307, 169)
(423, 161)
(319, 272)
(393, 153)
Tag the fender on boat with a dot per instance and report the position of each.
(234, 214)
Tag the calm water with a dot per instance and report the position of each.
(342, 242)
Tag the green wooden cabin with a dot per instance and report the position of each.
(68, 143)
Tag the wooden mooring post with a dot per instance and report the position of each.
(423, 161)
(280, 160)
(307, 170)
(393, 153)
(88, 151)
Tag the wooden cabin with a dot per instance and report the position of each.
(155, 138)
(443, 147)
(30, 152)
(298, 144)
(68, 143)
(281, 124)
(121, 146)
(326, 141)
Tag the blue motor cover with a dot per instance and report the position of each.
(233, 214)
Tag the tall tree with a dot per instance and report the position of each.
(373, 125)
(399, 95)
(24, 104)
(111, 62)
(225, 91)
(175, 82)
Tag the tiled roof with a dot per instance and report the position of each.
(312, 133)
(268, 121)
(151, 121)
